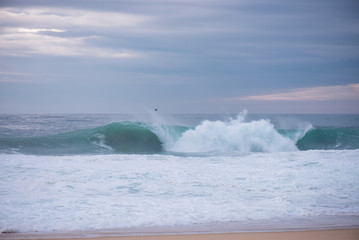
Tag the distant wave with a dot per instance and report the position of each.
(234, 135)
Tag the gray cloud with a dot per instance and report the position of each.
(179, 52)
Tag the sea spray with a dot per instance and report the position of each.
(234, 135)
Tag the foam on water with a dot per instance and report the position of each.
(46, 193)
(76, 172)
(234, 135)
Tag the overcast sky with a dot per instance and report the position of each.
(181, 56)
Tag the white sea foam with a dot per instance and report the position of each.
(46, 193)
(235, 135)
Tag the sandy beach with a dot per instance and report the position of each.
(331, 234)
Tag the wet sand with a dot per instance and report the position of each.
(328, 234)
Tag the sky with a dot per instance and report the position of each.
(180, 56)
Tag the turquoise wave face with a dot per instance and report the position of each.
(124, 137)
(330, 138)
(128, 138)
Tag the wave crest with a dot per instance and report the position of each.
(235, 135)
(129, 138)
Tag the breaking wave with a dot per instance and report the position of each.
(330, 138)
(125, 137)
(234, 135)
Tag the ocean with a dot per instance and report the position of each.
(116, 171)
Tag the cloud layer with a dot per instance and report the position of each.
(180, 56)
(52, 31)
(339, 92)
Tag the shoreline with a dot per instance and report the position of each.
(280, 226)
(328, 234)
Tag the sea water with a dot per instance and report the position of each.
(88, 172)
